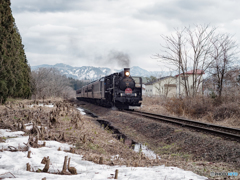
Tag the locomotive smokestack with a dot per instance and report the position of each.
(127, 72)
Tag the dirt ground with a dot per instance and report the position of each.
(177, 146)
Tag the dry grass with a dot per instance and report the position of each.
(154, 100)
(225, 112)
(154, 105)
(64, 123)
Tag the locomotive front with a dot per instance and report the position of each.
(126, 83)
(118, 89)
(129, 91)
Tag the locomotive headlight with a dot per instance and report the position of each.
(126, 72)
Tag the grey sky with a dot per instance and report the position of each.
(83, 32)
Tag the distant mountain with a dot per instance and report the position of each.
(93, 73)
(137, 71)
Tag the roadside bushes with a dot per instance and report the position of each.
(225, 111)
(154, 100)
(195, 107)
(210, 109)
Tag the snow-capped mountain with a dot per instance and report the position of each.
(92, 73)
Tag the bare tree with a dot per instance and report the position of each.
(189, 49)
(39, 81)
(223, 55)
(164, 84)
(231, 83)
(159, 87)
(48, 82)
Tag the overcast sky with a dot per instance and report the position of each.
(85, 32)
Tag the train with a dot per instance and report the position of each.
(120, 90)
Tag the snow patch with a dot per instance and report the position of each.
(15, 163)
(8, 133)
(43, 105)
(149, 153)
(81, 111)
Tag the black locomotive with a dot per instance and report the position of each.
(118, 89)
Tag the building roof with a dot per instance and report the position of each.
(197, 71)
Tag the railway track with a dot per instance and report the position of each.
(232, 133)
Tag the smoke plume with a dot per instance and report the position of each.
(120, 58)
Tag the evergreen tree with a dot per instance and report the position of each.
(76, 84)
(14, 68)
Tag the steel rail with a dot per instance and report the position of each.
(234, 132)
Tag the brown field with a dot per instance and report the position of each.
(64, 123)
(183, 148)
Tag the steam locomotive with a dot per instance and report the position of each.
(118, 89)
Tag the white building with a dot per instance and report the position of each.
(143, 89)
(165, 86)
(170, 86)
(190, 82)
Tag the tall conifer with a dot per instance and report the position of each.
(14, 68)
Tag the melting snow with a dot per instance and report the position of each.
(44, 105)
(81, 111)
(13, 164)
(8, 133)
(145, 150)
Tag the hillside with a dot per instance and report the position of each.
(92, 73)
